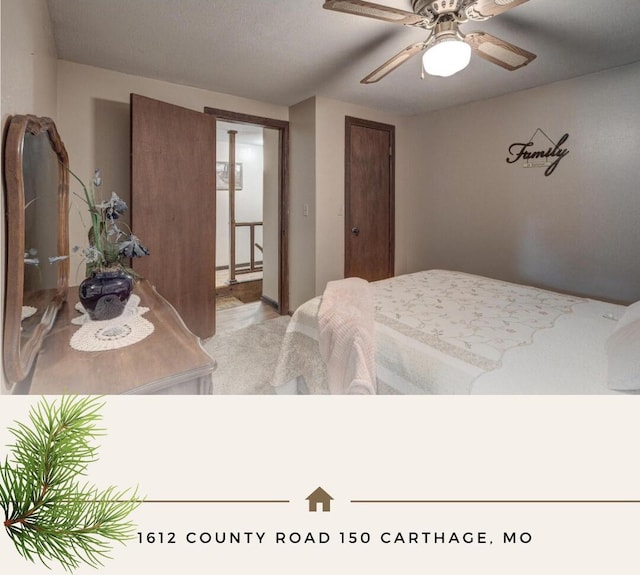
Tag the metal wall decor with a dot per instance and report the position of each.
(545, 153)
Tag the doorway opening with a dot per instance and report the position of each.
(251, 208)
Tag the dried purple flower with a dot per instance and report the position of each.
(109, 244)
(97, 178)
(132, 248)
(56, 259)
(92, 254)
(113, 207)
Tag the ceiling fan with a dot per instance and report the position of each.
(447, 50)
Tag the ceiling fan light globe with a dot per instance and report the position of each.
(446, 57)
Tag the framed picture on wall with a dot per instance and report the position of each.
(222, 176)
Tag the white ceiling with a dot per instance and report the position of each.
(284, 51)
(246, 133)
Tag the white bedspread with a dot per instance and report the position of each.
(568, 359)
(445, 332)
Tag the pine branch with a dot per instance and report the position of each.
(48, 514)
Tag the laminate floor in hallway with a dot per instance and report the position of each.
(243, 316)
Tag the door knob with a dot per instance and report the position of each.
(355, 231)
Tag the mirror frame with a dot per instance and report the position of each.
(18, 356)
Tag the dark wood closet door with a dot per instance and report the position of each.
(369, 199)
(173, 206)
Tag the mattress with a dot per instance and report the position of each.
(449, 332)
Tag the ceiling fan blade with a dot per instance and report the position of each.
(498, 51)
(391, 64)
(485, 9)
(371, 10)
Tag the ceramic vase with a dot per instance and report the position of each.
(104, 294)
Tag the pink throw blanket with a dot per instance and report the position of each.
(346, 336)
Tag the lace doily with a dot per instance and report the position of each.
(126, 329)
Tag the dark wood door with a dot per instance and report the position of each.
(173, 206)
(369, 199)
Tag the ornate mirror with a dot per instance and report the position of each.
(37, 266)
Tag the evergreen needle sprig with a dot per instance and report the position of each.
(48, 514)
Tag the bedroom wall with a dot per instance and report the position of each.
(93, 120)
(29, 60)
(330, 134)
(302, 184)
(28, 78)
(317, 182)
(94, 123)
(577, 230)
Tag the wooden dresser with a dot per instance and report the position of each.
(168, 361)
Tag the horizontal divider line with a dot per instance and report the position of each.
(215, 501)
(495, 501)
(377, 501)
(174, 501)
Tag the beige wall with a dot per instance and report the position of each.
(302, 192)
(93, 120)
(330, 120)
(28, 75)
(458, 203)
(28, 59)
(317, 181)
(576, 230)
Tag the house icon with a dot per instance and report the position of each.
(319, 497)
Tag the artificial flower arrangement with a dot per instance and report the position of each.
(105, 291)
(111, 241)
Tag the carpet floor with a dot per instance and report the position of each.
(247, 358)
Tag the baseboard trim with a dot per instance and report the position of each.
(270, 302)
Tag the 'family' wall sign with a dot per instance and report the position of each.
(543, 156)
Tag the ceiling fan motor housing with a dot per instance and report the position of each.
(446, 29)
(435, 8)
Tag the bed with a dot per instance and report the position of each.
(449, 332)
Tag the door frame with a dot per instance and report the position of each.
(283, 212)
(349, 122)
